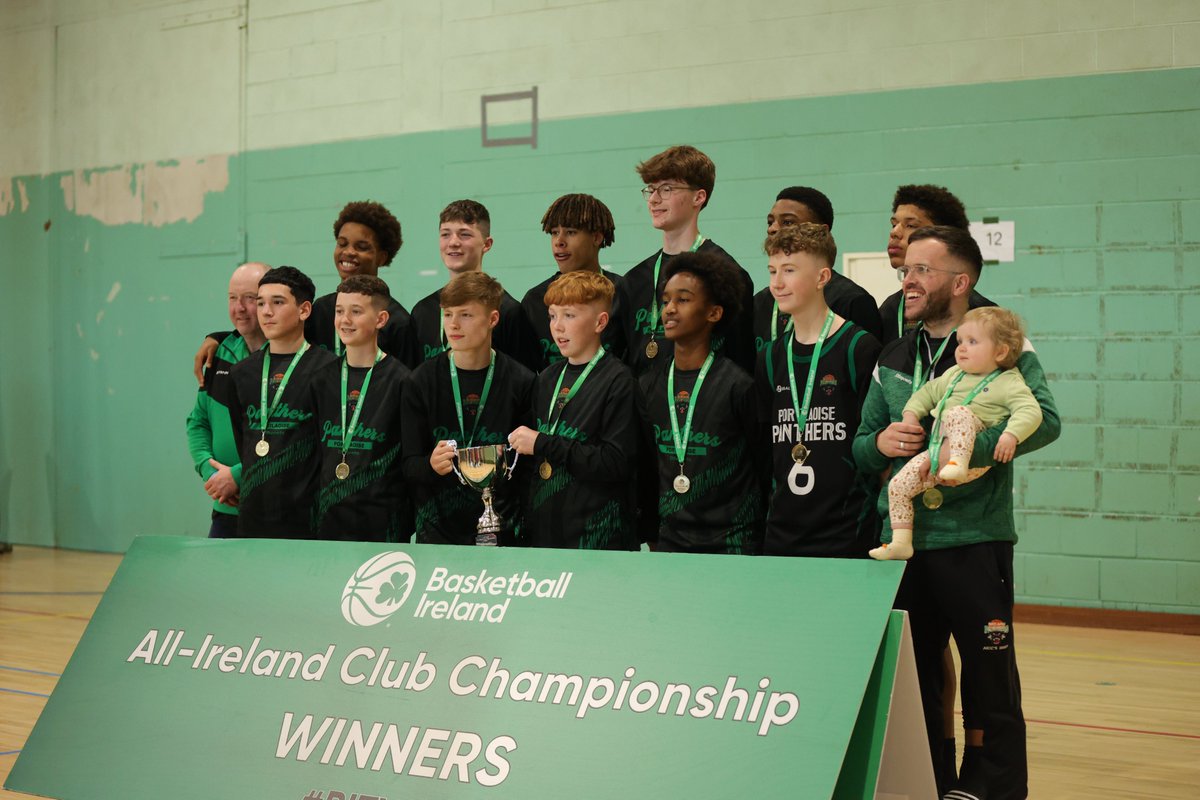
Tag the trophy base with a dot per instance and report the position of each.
(488, 529)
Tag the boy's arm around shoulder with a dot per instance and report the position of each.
(1050, 428)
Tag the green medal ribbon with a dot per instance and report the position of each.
(574, 388)
(266, 411)
(935, 435)
(654, 289)
(918, 369)
(348, 433)
(775, 320)
(900, 317)
(487, 387)
(802, 410)
(681, 443)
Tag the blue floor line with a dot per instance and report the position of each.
(31, 671)
(19, 691)
(10, 752)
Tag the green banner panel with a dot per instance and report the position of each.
(325, 671)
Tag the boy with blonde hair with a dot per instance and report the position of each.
(584, 438)
(812, 383)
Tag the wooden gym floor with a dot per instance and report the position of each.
(1111, 713)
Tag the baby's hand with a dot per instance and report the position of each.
(1006, 448)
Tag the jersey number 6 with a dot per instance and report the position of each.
(798, 471)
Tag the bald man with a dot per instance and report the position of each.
(210, 434)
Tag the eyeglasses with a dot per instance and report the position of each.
(664, 190)
(922, 271)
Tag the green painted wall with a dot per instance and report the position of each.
(1101, 175)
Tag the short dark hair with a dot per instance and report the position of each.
(938, 202)
(471, 212)
(368, 285)
(382, 223)
(959, 245)
(300, 284)
(472, 287)
(681, 162)
(582, 212)
(812, 199)
(807, 237)
(720, 279)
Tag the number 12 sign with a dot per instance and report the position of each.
(996, 239)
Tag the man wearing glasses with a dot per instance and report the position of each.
(918, 206)
(959, 582)
(679, 182)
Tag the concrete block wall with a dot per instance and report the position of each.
(121, 217)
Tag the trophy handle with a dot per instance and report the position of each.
(513, 465)
(454, 463)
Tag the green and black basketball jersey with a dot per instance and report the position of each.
(446, 511)
(396, 338)
(587, 501)
(514, 335)
(735, 342)
(818, 508)
(722, 511)
(277, 490)
(847, 299)
(537, 313)
(371, 504)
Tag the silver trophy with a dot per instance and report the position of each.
(478, 468)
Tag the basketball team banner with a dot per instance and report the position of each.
(351, 671)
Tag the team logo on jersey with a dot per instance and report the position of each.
(277, 379)
(996, 632)
(378, 588)
(561, 402)
(471, 404)
(828, 384)
(681, 401)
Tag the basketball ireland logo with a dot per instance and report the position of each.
(378, 588)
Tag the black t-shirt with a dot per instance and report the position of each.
(396, 338)
(446, 511)
(536, 311)
(734, 339)
(277, 490)
(514, 335)
(372, 503)
(723, 510)
(847, 299)
(819, 508)
(588, 501)
(889, 309)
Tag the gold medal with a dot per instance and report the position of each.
(342, 471)
(799, 453)
(932, 498)
(682, 483)
(651, 349)
(262, 448)
(545, 470)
